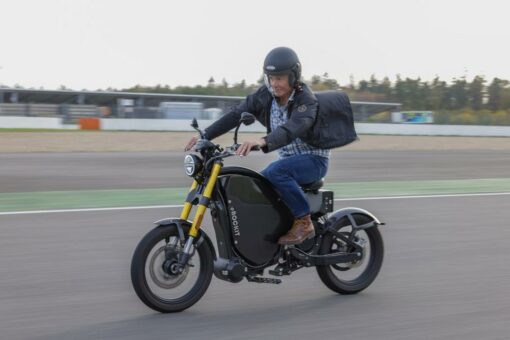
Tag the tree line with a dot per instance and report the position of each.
(438, 94)
(414, 94)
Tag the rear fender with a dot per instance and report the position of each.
(358, 218)
(183, 227)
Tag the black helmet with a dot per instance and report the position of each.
(283, 60)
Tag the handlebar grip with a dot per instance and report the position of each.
(255, 148)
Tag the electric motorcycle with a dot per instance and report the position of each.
(173, 264)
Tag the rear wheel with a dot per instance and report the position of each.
(155, 278)
(351, 278)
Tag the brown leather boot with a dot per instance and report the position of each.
(300, 231)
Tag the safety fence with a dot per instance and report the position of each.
(116, 124)
(70, 113)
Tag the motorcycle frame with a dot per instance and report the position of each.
(208, 194)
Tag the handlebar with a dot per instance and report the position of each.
(227, 152)
(203, 144)
(253, 148)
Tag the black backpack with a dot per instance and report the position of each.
(335, 122)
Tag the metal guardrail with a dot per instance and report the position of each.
(27, 109)
(70, 113)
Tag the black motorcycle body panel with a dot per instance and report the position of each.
(248, 216)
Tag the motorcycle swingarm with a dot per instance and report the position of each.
(347, 240)
(326, 259)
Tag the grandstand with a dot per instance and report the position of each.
(70, 105)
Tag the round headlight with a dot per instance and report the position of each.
(192, 165)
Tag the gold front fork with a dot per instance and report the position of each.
(199, 215)
(187, 206)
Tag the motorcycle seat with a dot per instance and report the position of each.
(314, 186)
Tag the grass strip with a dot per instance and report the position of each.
(27, 201)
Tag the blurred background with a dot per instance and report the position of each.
(441, 62)
(96, 99)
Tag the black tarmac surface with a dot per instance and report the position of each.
(445, 275)
(121, 170)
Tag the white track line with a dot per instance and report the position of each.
(180, 205)
(87, 209)
(422, 196)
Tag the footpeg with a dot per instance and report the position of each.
(260, 279)
(280, 271)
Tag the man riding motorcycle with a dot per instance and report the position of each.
(288, 109)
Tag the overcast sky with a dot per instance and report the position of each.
(102, 43)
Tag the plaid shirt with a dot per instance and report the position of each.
(297, 146)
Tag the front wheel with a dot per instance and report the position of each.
(351, 278)
(154, 280)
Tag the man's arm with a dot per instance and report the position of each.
(301, 121)
(231, 119)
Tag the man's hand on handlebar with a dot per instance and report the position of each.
(248, 146)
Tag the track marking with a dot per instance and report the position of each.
(423, 196)
(180, 205)
(87, 209)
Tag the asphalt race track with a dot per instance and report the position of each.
(120, 170)
(445, 275)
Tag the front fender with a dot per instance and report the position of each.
(183, 227)
(357, 218)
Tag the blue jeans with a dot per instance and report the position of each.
(287, 174)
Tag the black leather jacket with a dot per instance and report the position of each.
(302, 113)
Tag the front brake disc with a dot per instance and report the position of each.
(159, 276)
